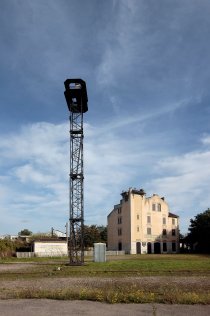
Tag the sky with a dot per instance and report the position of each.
(146, 64)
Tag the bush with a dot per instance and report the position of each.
(8, 247)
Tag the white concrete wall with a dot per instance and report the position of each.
(50, 249)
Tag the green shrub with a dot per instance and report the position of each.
(8, 247)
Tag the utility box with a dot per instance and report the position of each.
(99, 252)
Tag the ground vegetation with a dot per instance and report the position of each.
(180, 279)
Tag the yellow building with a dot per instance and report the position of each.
(141, 224)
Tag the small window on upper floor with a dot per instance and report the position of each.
(137, 228)
(137, 216)
(148, 219)
(119, 210)
(159, 207)
(154, 207)
(119, 220)
(164, 221)
(173, 221)
(119, 231)
(173, 232)
(164, 232)
(149, 231)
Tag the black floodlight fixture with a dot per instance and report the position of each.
(76, 95)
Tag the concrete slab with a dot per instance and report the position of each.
(45, 307)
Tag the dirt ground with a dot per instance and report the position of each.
(147, 282)
(45, 307)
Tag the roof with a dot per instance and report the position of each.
(172, 215)
(48, 240)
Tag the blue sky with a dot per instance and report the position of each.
(147, 68)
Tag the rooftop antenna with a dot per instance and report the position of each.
(77, 102)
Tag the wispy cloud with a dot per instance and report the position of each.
(35, 183)
(146, 65)
(184, 180)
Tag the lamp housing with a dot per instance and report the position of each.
(76, 95)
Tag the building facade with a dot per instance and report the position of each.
(140, 225)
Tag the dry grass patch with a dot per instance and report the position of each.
(180, 279)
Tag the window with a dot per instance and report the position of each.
(149, 231)
(164, 247)
(119, 210)
(137, 228)
(173, 221)
(119, 220)
(148, 219)
(173, 246)
(119, 231)
(164, 221)
(173, 232)
(153, 207)
(164, 232)
(137, 216)
(159, 207)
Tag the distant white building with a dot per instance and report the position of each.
(58, 233)
(11, 237)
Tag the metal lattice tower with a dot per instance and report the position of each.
(76, 98)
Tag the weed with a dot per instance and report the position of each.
(115, 284)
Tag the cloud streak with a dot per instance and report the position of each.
(146, 65)
(36, 182)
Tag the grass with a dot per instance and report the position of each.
(156, 265)
(128, 294)
(119, 279)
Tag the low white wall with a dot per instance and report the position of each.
(24, 254)
(115, 252)
(88, 253)
(50, 249)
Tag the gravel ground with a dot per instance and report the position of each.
(198, 283)
(7, 267)
(145, 282)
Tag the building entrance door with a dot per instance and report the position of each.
(157, 247)
(138, 248)
(120, 246)
(149, 247)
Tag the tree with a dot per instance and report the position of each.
(91, 235)
(8, 247)
(25, 232)
(94, 234)
(199, 232)
(103, 233)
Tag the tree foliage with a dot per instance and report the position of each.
(8, 247)
(103, 233)
(42, 235)
(94, 234)
(25, 232)
(199, 232)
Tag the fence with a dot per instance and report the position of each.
(88, 253)
(25, 254)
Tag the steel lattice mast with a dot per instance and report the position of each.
(76, 98)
